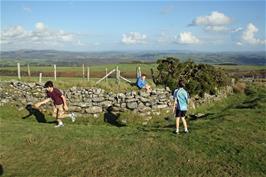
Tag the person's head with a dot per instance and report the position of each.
(181, 83)
(143, 76)
(49, 86)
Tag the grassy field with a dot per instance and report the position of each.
(97, 71)
(229, 141)
(241, 67)
(96, 68)
(122, 67)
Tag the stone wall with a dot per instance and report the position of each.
(95, 100)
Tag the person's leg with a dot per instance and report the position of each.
(54, 112)
(148, 88)
(184, 123)
(63, 114)
(60, 112)
(177, 124)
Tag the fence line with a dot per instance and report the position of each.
(118, 75)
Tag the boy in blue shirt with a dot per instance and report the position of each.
(181, 105)
(141, 83)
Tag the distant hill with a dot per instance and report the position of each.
(43, 57)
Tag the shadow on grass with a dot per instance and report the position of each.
(112, 118)
(39, 116)
(1, 170)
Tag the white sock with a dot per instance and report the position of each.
(177, 130)
(186, 130)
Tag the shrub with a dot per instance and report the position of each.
(200, 78)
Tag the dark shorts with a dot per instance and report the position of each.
(180, 113)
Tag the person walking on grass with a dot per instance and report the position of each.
(60, 104)
(180, 105)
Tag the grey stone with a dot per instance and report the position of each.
(94, 110)
(132, 105)
(106, 104)
(131, 100)
(98, 99)
(74, 109)
(85, 105)
(123, 105)
(144, 100)
(144, 94)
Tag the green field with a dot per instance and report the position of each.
(96, 68)
(229, 141)
(242, 67)
(122, 67)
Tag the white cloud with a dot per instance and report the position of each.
(248, 36)
(214, 19)
(216, 22)
(239, 43)
(17, 37)
(216, 28)
(40, 26)
(237, 30)
(27, 9)
(187, 38)
(134, 38)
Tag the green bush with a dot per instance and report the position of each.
(200, 78)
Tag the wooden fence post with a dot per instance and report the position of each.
(88, 73)
(29, 74)
(117, 75)
(106, 74)
(40, 78)
(55, 72)
(83, 71)
(19, 76)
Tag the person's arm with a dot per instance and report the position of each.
(174, 107)
(64, 102)
(36, 105)
(175, 102)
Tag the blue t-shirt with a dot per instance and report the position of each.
(140, 82)
(181, 97)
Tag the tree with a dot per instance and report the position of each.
(200, 78)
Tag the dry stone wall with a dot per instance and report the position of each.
(95, 100)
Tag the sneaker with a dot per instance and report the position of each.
(59, 125)
(186, 131)
(73, 117)
(177, 132)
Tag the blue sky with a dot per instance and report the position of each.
(135, 25)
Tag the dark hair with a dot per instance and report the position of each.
(48, 84)
(181, 83)
(143, 75)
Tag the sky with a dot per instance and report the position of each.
(210, 26)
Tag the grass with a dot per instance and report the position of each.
(94, 68)
(230, 141)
